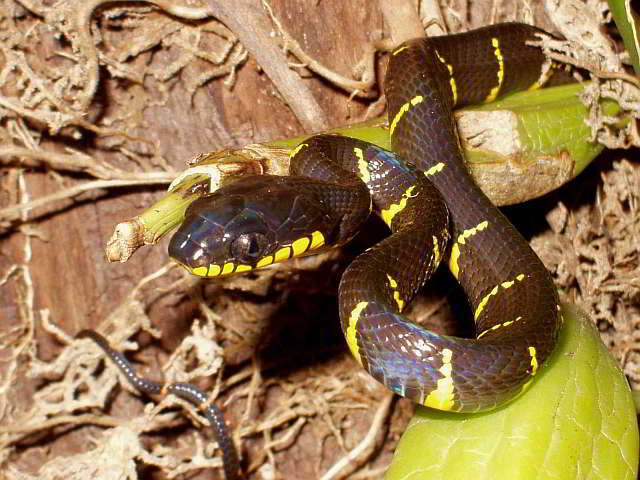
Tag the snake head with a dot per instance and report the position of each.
(250, 223)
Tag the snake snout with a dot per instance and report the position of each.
(188, 251)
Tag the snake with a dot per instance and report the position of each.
(423, 191)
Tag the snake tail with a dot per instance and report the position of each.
(186, 391)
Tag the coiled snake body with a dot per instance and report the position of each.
(425, 194)
(260, 220)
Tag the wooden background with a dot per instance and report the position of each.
(78, 76)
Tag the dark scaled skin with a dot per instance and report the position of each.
(511, 293)
(488, 371)
(278, 210)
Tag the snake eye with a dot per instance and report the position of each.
(249, 247)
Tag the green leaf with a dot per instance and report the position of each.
(577, 421)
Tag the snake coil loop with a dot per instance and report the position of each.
(425, 194)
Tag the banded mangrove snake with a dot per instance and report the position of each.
(425, 194)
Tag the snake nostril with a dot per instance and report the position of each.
(184, 250)
(177, 244)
